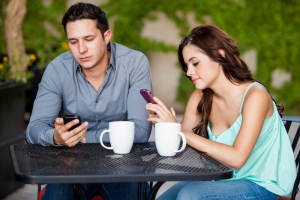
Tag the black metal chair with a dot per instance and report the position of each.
(292, 126)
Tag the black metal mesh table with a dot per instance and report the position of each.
(90, 163)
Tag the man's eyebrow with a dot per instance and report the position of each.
(82, 37)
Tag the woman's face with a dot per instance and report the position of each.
(201, 69)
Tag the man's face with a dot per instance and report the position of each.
(87, 44)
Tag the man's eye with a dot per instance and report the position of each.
(90, 39)
(195, 64)
(72, 42)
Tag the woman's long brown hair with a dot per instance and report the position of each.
(210, 39)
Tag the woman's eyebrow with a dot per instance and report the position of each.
(191, 58)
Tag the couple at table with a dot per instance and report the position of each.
(230, 115)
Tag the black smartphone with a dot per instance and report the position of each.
(147, 96)
(68, 118)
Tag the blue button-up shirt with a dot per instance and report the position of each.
(65, 91)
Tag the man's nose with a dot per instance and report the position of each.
(82, 47)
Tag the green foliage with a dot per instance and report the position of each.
(268, 26)
(3, 4)
(4, 69)
(19, 76)
(36, 38)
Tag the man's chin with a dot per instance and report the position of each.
(85, 66)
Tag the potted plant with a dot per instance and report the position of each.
(13, 76)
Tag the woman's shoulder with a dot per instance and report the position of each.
(196, 95)
(257, 91)
(258, 98)
(194, 100)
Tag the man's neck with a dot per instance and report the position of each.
(96, 75)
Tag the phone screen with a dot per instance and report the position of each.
(68, 118)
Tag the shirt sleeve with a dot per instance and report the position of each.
(47, 106)
(140, 78)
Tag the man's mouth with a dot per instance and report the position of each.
(86, 58)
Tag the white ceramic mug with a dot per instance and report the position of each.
(121, 136)
(167, 138)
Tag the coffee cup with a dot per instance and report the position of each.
(167, 138)
(121, 136)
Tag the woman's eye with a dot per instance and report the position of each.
(195, 64)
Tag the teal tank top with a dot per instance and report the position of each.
(271, 163)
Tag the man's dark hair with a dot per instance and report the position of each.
(81, 10)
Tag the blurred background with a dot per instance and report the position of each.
(266, 32)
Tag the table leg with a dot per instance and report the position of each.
(139, 190)
(145, 190)
(142, 191)
(79, 192)
(155, 189)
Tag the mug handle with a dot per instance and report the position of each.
(183, 142)
(101, 142)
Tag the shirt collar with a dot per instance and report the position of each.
(112, 50)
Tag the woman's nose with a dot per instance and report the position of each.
(190, 71)
(82, 47)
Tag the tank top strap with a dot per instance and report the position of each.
(246, 91)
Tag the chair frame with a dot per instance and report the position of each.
(287, 123)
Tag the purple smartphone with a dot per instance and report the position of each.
(147, 96)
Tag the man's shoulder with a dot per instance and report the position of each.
(63, 63)
(64, 59)
(121, 50)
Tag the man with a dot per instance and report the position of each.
(98, 80)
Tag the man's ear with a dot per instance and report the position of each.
(221, 52)
(107, 36)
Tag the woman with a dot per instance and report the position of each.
(232, 118)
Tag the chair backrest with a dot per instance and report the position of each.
(292, 126)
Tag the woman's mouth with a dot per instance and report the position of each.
(195, 80)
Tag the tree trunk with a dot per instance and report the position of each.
(14, 16)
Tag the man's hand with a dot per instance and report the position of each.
(69, 138)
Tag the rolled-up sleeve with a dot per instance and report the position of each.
(140, 78)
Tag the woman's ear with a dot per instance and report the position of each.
(221, 52)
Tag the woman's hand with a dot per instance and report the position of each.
(160, 113)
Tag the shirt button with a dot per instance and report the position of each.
(99, 121)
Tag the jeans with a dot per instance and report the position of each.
(109, 191)
(237, 189)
